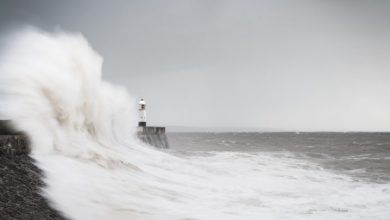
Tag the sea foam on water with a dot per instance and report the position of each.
(82, 132)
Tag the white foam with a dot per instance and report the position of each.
(82, 132)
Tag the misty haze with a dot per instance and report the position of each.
(196, 110)
(286, 65)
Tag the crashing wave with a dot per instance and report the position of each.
(82, 132)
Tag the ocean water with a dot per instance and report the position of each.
(300, 175)
(363, 156)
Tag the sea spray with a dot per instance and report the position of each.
(82, 132)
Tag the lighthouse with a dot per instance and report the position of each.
(154, 136)
(142, 113)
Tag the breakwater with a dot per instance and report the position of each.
(154, 136)
(21, 179)
(14, 141)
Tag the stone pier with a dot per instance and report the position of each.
(154, 136)
(13, 142)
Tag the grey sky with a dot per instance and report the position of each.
(288, 65)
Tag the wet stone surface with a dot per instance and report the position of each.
(14, 145)
(20, 183)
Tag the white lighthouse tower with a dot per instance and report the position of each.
(154, 136)
(142, 113)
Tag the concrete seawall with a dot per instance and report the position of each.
(14, 141)
(21, 181)
(154, 136)
(11, 141)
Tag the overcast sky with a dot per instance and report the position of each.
(286, 65)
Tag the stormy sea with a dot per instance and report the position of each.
(362, 156)
(334, 175)
(82, 134)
